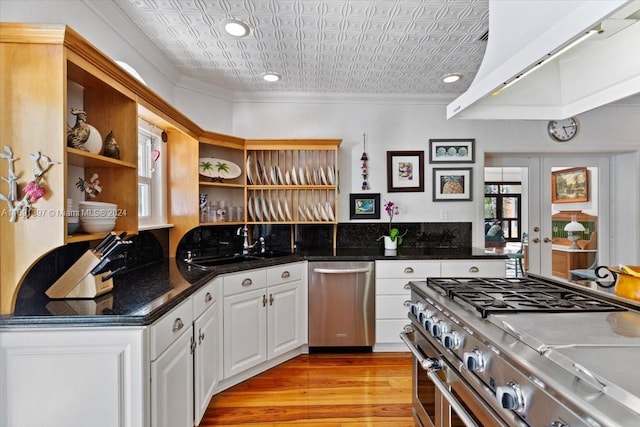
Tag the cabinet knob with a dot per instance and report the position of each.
(408, 270)
(178, 324)
(474, 269)
(247, 282)
(208, 297)
(285, 274)
(407, 285)
(407, 303)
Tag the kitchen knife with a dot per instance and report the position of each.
(112, 254)
(107, 249)
(104, 242)
(113, 273)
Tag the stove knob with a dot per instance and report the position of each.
(451, 340)
(474, 361)
(439, 328)
(510, 397)
(416, 308)
(558, 424)
(424, 315)
(429, 321)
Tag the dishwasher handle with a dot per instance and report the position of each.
(341, 270)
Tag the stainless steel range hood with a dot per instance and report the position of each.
(602, 69)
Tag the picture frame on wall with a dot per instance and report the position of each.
(405, 171)
(364, 205)
(452, 184)
(452, 150)
(570, 185)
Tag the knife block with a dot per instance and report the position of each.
(78, 282)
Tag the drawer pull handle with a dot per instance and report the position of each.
(271, 299)
(408, 270)
(474, 269)
(247, 282)
(208, 297)
(407, 285)
(407, 303)
(285, 275)
(264, 300)
(178, 324)
(200, 336)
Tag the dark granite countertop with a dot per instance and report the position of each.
(144, 294)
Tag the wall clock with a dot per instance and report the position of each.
(563, 130)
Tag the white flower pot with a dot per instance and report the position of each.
(390, 244)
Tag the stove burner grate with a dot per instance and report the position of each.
(495, 296)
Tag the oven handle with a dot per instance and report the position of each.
(432, 366)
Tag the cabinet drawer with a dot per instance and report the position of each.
(393, 286)
(414, 269)
(474, 268)
(206, 296)
(388, 331)
(284, 273)
(392, 307)
(170, 327)
(244, 281)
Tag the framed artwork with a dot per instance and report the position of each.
(451, 150)
(452, 184)
(364, 206)
(570, 185)
(405, 171)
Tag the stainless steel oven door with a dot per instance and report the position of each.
(440, 397)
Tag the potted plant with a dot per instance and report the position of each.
(394, 238)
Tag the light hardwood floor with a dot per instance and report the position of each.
(325, 390)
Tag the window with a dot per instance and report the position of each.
(152, 204)
(502, 202)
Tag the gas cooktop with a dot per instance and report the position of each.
(497, 295)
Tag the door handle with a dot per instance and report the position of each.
(546, 240)
(535, 240)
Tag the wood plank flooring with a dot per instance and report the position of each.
(324, 390)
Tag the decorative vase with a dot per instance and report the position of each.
(390, 244)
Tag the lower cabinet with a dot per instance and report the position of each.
(393, 292)
(264, 316)
(172, 384)
(66, 377)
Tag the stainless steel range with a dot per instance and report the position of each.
(522, 352)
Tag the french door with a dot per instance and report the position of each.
(538, 209)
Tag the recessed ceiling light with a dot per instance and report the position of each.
(452, 77)
(236, 27)
(271, 77)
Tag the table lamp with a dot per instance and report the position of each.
(574, 230)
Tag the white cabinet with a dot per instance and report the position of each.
(287, 310)
(60, 377)
(207, 357)
(172, 384)
(474, 268)
(171, 356)
(264, 316)
(392, 294)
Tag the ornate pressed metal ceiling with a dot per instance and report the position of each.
(330, 46)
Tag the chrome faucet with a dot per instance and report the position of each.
(245, 245)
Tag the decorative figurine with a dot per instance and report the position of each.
(111, 147)
(92, 188)
(83, 136)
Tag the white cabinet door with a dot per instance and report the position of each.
(474, 268)
(245, 331)
(286, 322)
(207, 357)
(172, 385)
(72, 378)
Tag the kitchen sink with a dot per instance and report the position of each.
(218, 260)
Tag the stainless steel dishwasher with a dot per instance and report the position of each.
(341, 304)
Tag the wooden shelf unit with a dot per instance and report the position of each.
(292, 181)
